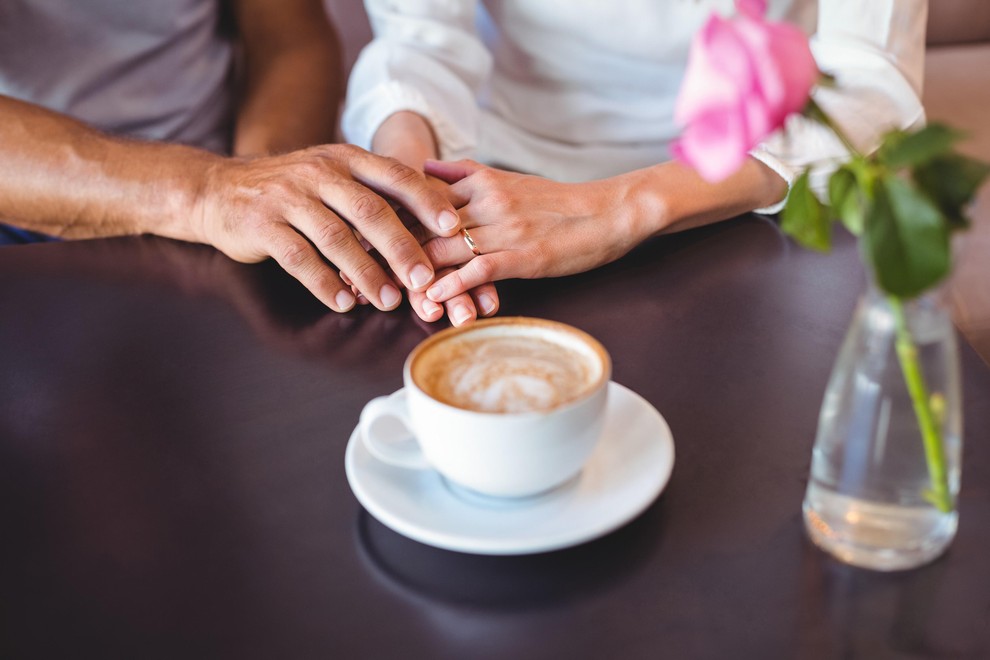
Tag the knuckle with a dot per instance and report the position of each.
(326, 280)
(519, 233)
(368, 207)
(312, 168)
(438, 251)
(401, 247)
(365, 271)
(536, 265)
(399, 174)
(332, 159)
(340, 150)
(500, 200)
(485, 177)
(484, 267)
(332, 236)
(278, 188)
(293, 254)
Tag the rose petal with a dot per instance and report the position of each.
(767, 80)
(798, 69)
(744, 77)
(717, 72)
(757, 120)
(714, 144)
(753, 8)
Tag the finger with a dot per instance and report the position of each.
(480, 270)
(486, 299)
(425, 308)
(446, 252)
(298, 258)
(361, 298)
(461, 309)
(453, 196)
(422, 234)
(409, 188)
(335, 240)
(451, 171)
(455, 250)
(381, 228)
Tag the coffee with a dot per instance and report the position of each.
(461, 388)
(510, 367)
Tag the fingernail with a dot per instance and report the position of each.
(434, 292)
(345, 300)
(487, 304)
(420, 276)
(461, 315)
(431, 309)
(390, 296)
(362, 299)
(448, 220)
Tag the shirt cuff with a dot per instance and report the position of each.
(786, 171)
(363, 116)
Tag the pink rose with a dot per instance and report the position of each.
(745, 75)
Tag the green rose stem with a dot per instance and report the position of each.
(931, 433)
(907, 354)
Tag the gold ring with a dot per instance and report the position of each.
(470, 242)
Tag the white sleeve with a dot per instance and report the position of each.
(426, 57)
(875, 49)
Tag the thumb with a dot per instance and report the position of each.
(452, 171)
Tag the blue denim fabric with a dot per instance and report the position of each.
(14, 236)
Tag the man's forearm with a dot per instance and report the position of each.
(293, 77)
(63, 178)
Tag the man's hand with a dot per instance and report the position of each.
(301, 209)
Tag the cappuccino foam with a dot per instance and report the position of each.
(508, 369)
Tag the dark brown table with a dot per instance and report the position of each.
(172, 434)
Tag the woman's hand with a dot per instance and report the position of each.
(407, 137)
(525, 226)
(529, 227)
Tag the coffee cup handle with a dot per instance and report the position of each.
(398, 449)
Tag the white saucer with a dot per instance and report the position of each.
(628, 470)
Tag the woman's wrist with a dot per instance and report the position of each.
(644, 209)
(675, 198)
(408, 137)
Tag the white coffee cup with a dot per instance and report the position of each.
(507, 407)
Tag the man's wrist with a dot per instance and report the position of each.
(177, 194)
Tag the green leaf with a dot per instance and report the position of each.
(847, 202)
(951, 181)
(906, 238)
(903, 149)
(805, 218)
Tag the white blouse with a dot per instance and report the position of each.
(584, 89)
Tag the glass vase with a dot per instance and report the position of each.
(886, 462)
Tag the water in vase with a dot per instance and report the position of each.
(866, 499)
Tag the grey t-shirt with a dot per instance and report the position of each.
(154, 69)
